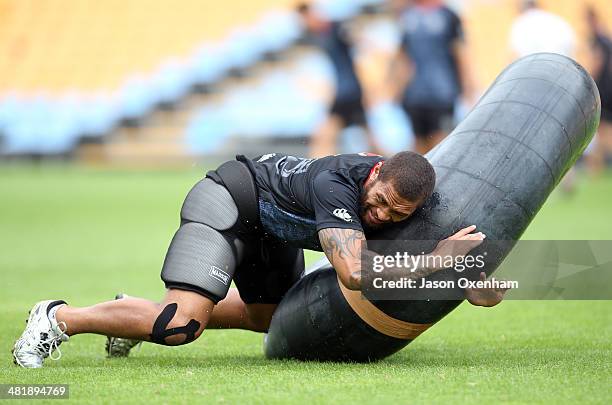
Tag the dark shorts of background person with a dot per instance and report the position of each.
(209, 251)
(350, 111)
(605, 92)
(606, 113)
(429, 120)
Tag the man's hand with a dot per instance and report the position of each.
(343, 248)
(485, 297)
(459, 244)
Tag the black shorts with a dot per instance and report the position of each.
(606, 113)
(267, 271)
(428, 120)
(350, 111)
(212, 248)
(264, 273)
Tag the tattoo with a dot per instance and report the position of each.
(342, 244)
(344, 247)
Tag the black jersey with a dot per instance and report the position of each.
(429, 34)
(335, 44)
(298, 197)
(604, 78)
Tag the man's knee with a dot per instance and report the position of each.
(175, 326)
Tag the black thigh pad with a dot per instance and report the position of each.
(211, 204)
(201, 259)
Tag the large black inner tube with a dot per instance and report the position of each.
(494, 170)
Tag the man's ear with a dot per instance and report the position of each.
(373, 174)
(376, 171)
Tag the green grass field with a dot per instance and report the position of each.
(85, 234)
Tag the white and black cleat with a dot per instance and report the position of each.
(120, 347)
(41, 337)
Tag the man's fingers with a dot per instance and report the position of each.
(463, 232)
(466, 230)
(503, 289)
(472, 243)
(483, 276)
(472, 236)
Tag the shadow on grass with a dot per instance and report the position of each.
(421, 359)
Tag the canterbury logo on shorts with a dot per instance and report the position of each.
(219, 275)
(342, 214)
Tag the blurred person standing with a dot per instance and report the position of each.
(347, 109)
(601, 70)
(536, 30)
(430, 72)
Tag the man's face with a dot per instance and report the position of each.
(313, 22)
(381, 205)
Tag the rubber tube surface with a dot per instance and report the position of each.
(494, 170)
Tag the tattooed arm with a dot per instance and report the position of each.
(343, 249)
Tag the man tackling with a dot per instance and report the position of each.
(248, 221)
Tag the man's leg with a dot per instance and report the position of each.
(420, 122)
(421, 144)
(323, 141)
(262, 280)
(179, 319)
(233, 313)
(197, 271)
(433, 139)
(200, 258)
(596, 159)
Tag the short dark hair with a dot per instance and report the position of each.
(303, 8)
(410, 174)
(528, 4)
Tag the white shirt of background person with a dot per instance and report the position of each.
(537, 30)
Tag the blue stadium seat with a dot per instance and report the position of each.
(338, 9)
(278, 30)
(29, 130)
(207, 131)
(136, 97)
(60, 134)
(172, 81)
(98, 115)
(208, 64)
(242, 48)
(391, 127)
(10, 108)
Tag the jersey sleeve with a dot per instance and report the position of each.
(456, 28)
(341, 33)
(336, 202)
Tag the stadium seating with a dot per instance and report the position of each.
(75, 74)
(79, 71)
